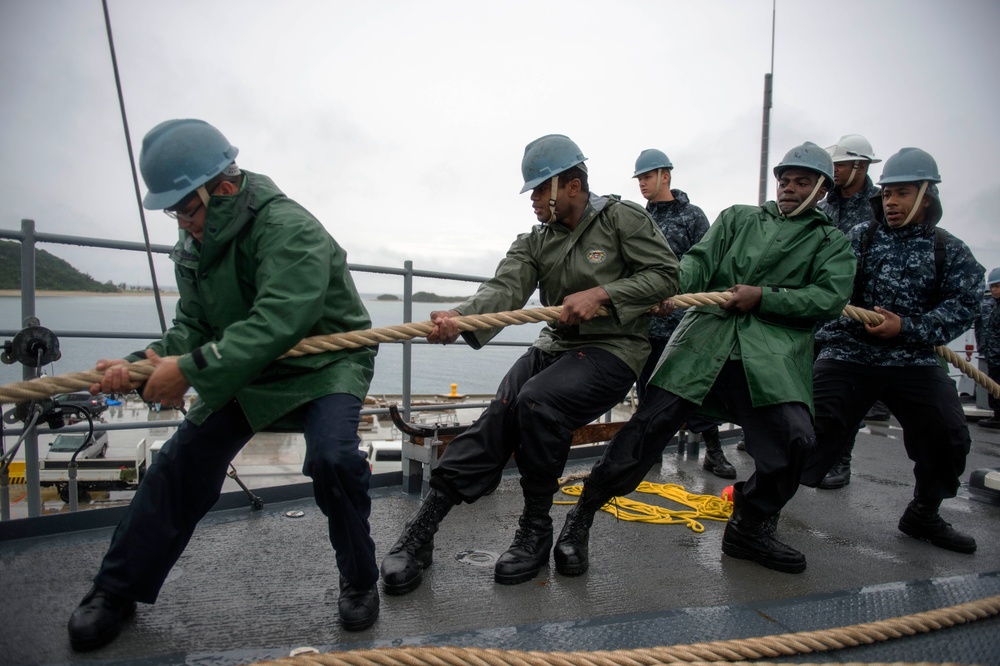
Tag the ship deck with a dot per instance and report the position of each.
(254, 585)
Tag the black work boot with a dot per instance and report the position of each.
(921, 520)
(572, 551)
(749, 535)
(715, 459)
(993, 422)
(531, 546)
(840, 474)
(357, 606)
(403, 568)
(98, 619)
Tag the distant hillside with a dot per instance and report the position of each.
(51, 272)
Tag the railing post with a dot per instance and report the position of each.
(411, 464)
(31, 477)
(407, 345)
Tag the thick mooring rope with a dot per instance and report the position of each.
(738, 649)
(44, 387)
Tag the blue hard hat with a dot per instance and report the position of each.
(910, 165)
(547, 156)
(178, 157)
(807, 156)
(650, 159)
(994, 276)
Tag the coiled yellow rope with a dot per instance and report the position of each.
(44, 387)
(700, 507)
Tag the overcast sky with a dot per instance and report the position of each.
(401, 125)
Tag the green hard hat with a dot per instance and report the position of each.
(650, 159)
(547, 156)
(807, 156)
(178, 157)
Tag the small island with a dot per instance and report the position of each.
(431, 297)
(424, 297)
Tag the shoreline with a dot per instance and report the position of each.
(52, 292)
(49, 293)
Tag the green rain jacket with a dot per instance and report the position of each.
(615, 246)
(265, 276)
(806, 268)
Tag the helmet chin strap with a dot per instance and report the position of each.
(808, 200)
(553, 189)
(916, 204)
(659, 182)
(850, 179)
(203, 194)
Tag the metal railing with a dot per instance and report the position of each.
(29, 238)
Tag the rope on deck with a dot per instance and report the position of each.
(699, 507)
(44, 387)
(733, 650)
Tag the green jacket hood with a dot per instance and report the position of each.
(226, 217)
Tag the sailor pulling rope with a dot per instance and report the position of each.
(37, 389)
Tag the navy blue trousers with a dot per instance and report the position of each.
(922, 398)
(540, 402)
(185, 481)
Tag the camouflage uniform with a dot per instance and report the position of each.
(849, 213)
(988, 339)
(855, 368)
(988, 334)
(846, 214)
(683, 224)
(982, 322)
(900, 276)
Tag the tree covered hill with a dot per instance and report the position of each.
(51, 272)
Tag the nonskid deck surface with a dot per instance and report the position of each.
(255, 585)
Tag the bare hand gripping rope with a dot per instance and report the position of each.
(44, 387)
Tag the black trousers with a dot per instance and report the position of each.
(922, 398)
(540, 402)
(186, 479)
(778, 437)
(695, 424)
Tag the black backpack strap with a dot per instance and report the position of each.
(940, 237)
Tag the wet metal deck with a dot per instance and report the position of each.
(254, 585)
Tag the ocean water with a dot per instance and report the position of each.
(435, 367)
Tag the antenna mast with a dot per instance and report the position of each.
(765, 133)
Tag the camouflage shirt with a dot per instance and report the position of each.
(900, 275)
(988, 334)
(683, 225)
(849, 213)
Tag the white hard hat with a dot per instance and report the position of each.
(852, 147)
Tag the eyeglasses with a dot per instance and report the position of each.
(184, 215)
